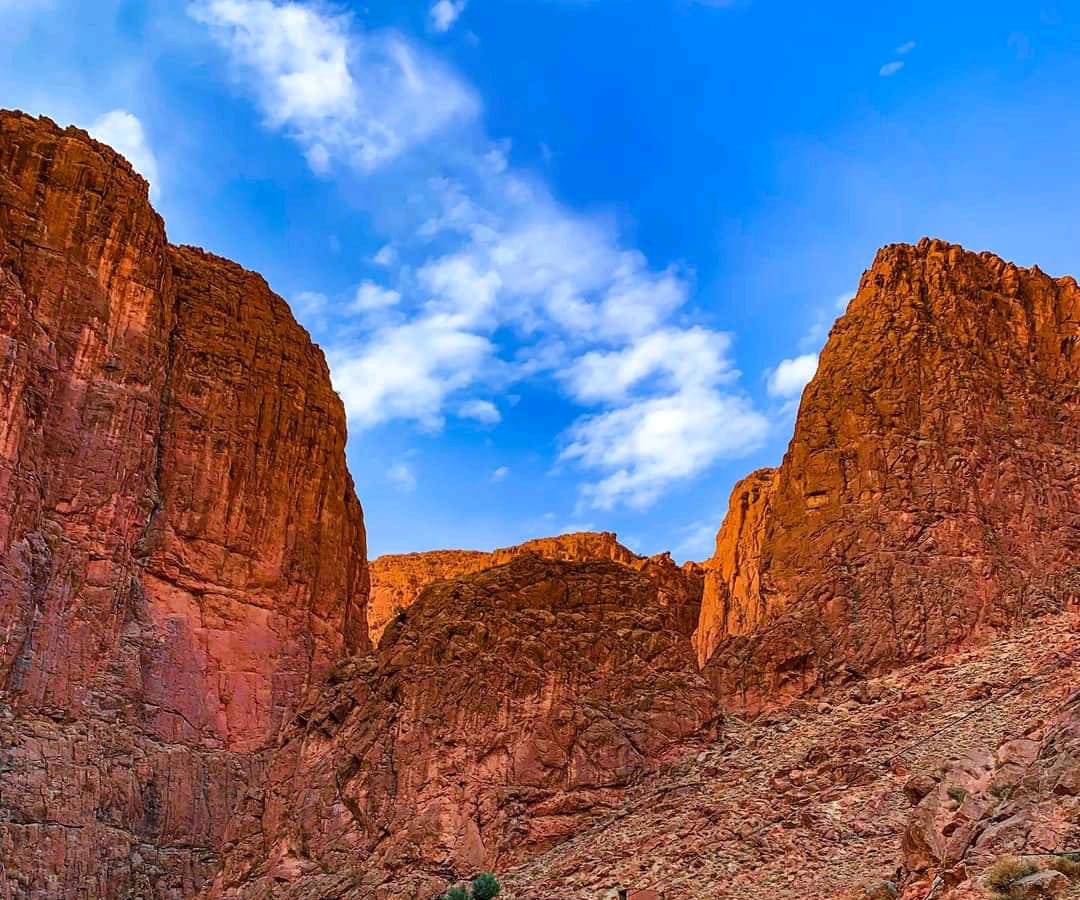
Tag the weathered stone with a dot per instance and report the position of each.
(398, 580)
(931, 492)
(508, 710)
(181, 551)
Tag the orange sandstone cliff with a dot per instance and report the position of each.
(181, 550)
(931, 492)
(397, 580)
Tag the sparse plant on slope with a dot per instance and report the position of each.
(484, 887)
(1008, 870)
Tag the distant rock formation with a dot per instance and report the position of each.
(507, 709)
(931, 492)
(397, 580)
(181, 550)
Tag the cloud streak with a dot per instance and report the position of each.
(487, 279)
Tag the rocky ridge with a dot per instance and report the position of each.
(500, 715)
(398, 580)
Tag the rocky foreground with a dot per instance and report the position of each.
(869, 691)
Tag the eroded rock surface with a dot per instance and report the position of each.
(931, 492)
(508, 709)
(398, 580)
(181, 550)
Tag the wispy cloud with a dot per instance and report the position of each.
(905, 49)
(500, 473)
(494, 280)
(480, 411)
(299, 64)
(402, 475)
(444, 13)
(891, 68)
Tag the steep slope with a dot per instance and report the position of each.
(834, 798)
(508, 709)
(931, 492)
(165, 602)
(398, 580)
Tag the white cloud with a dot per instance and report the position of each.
(789, 378)
(362, 98)
(824, 317)
(891, 68)
(645, 445)
(906, 48)
(387, 256)
(372, 296)
(500, 473)
(496, 280)
(408, 371)
(698, 540)
(444, 13)
(480, 411)
(402, 475)
(124, 133)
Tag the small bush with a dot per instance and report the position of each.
(957, 793)
(1069, 865)
(485, 887)
(1008, 870)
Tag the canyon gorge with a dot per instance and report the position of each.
(869, 690)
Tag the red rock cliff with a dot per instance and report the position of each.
(398, 580)
(505, 711)
(181, 549)
(931, 491)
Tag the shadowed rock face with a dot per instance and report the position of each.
(507, 710)
(398, 580)
(931, 492)
(181, 550)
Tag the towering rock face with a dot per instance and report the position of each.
(397, 581)
(181, 550)
(506, 710)
(931, 491)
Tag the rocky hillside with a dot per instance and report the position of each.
(504, 713)
(930, 494)
(909, 785)
(398, 580)
(191, 705)
(164, 605)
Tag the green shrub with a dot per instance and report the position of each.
(957, 793)
(485, 887)
(1008, 870)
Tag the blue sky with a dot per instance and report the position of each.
(571, 260)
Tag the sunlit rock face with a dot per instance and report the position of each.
(181, 551)
(931, 492)
(397, 580)
(502, 713)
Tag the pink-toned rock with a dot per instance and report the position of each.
(181, 550)
(505, 712)
(398, 580)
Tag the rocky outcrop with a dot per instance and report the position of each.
(501, 713)
(397, 581)
(181, 550)
(931, 492)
